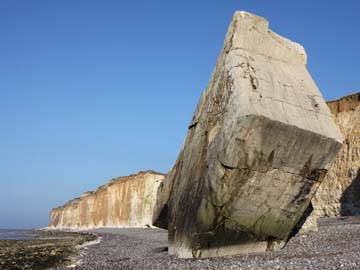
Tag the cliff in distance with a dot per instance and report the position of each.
(123, 202)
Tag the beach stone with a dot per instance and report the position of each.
(339, 193)
(123, 202)
(258, 146)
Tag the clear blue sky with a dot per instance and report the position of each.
(91, 90)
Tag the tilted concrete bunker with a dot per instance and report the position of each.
(259, 144)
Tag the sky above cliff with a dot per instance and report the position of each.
(91, 90)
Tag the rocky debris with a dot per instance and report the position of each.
(123, 202)
(258, 146)
(50, 249)
(339, 193)
(333, 247)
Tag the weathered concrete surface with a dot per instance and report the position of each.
(258, 146)
(123, 202)
(339, 193)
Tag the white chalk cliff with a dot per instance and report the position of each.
(123, 202)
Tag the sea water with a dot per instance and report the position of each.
(9, 234)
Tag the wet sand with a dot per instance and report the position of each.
(48, 249)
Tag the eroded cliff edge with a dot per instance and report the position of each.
(123, 202)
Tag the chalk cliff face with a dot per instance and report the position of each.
(258, 147)
(339, 193)
(122, 202)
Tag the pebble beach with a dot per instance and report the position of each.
(335, 246)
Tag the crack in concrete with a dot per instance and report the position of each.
(264, 55)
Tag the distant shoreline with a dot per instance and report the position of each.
(42, 249)
(16, 234)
